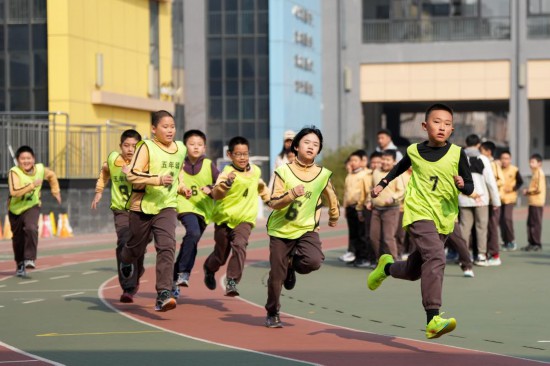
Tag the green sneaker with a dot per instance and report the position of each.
(378, 275)
(439, 326)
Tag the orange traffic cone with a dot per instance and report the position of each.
(65, 230)
(53, 225)
(7, 228)
(46, 231)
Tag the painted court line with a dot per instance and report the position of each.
(27, 282)
(2, 286)
(89, 272)
(33, 301)
(96, 333)
(59, 277)
(102, 288)
(34, 358)
(19, 361)
(65, 290)
(73, 294)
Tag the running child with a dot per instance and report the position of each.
(25, 185)
(235, 211)
(155, 175)
(440, 171)
(195, 212)
(294, 243)
(114, 169)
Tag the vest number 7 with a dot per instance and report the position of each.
(435, 178)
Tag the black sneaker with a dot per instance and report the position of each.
(209, 278)
(126, 270)
(20, 271)
(165, 301)
(231, 288)
(290, 280)
(273, 321)
(532, 248)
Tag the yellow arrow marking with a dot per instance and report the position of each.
(99, 333)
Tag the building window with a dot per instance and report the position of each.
(23, 55)
(386, 21)
(237, 73)
(538, 19)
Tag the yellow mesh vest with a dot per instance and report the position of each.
(298, 218)
(18, 205)
(121, 189)
(240, 204)
(431, 192)
(199, 203)
(162, 162)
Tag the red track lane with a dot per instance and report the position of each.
(210, 316)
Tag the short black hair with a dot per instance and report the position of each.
(390, 152)
(375, 154)
(490, 146)
(24, 149)
(306, 131)
(537, 157)
(359, 153)
(237, 140)
(472, 140)
(158, 115)
(437, 107)
(130, 134)
(384, 131)
(192, 133)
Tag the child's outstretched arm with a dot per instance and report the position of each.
(329, 194)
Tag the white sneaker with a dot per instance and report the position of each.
(469, 273)
(29, 263)
(348, 257)
(494, 262)
(481, 261)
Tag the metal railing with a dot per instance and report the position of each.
(435, 29)
(70, 150)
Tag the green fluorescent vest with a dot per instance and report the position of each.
(161, 162)
(298, 218)
(431, 192)
(199, 203)
(121, 189)
(18, 205)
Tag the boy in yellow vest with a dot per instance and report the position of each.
(155, 173)
(25, 184)
(536, 196)
(235, 211)
(508, 198)
(293, 226)
(440, 171)
(114, 169)
(195, 212)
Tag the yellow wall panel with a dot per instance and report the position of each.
(538, 79)
(480, 80)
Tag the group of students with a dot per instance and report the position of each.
(156, 182)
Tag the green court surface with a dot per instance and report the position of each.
(60, 317)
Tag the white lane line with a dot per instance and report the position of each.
(1, 306)
(20, 361)
(110, 287)
(543, 341)
(69, 263)
(89, 272)
(59, 277)
(33, 301)
(36, 291)
(2, 286)
(34, 357)
(27, 282)
(73, 294)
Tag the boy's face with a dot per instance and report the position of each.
(239, 156)
(534, 163)
(375, 163)
(387, 163)
(354, 162)
(165, 130)
(195, 147)
(128, 148)
(505, 160)
(439, 127)
(383, 140)
(26, 161)
(308, 147)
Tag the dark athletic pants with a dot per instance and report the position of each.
(534, 225)
(307, 257)
(122, 228)
(25, 234)
(507, 223)
(194, 228)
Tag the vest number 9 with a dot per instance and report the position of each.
(124, 191)
(292, 212)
